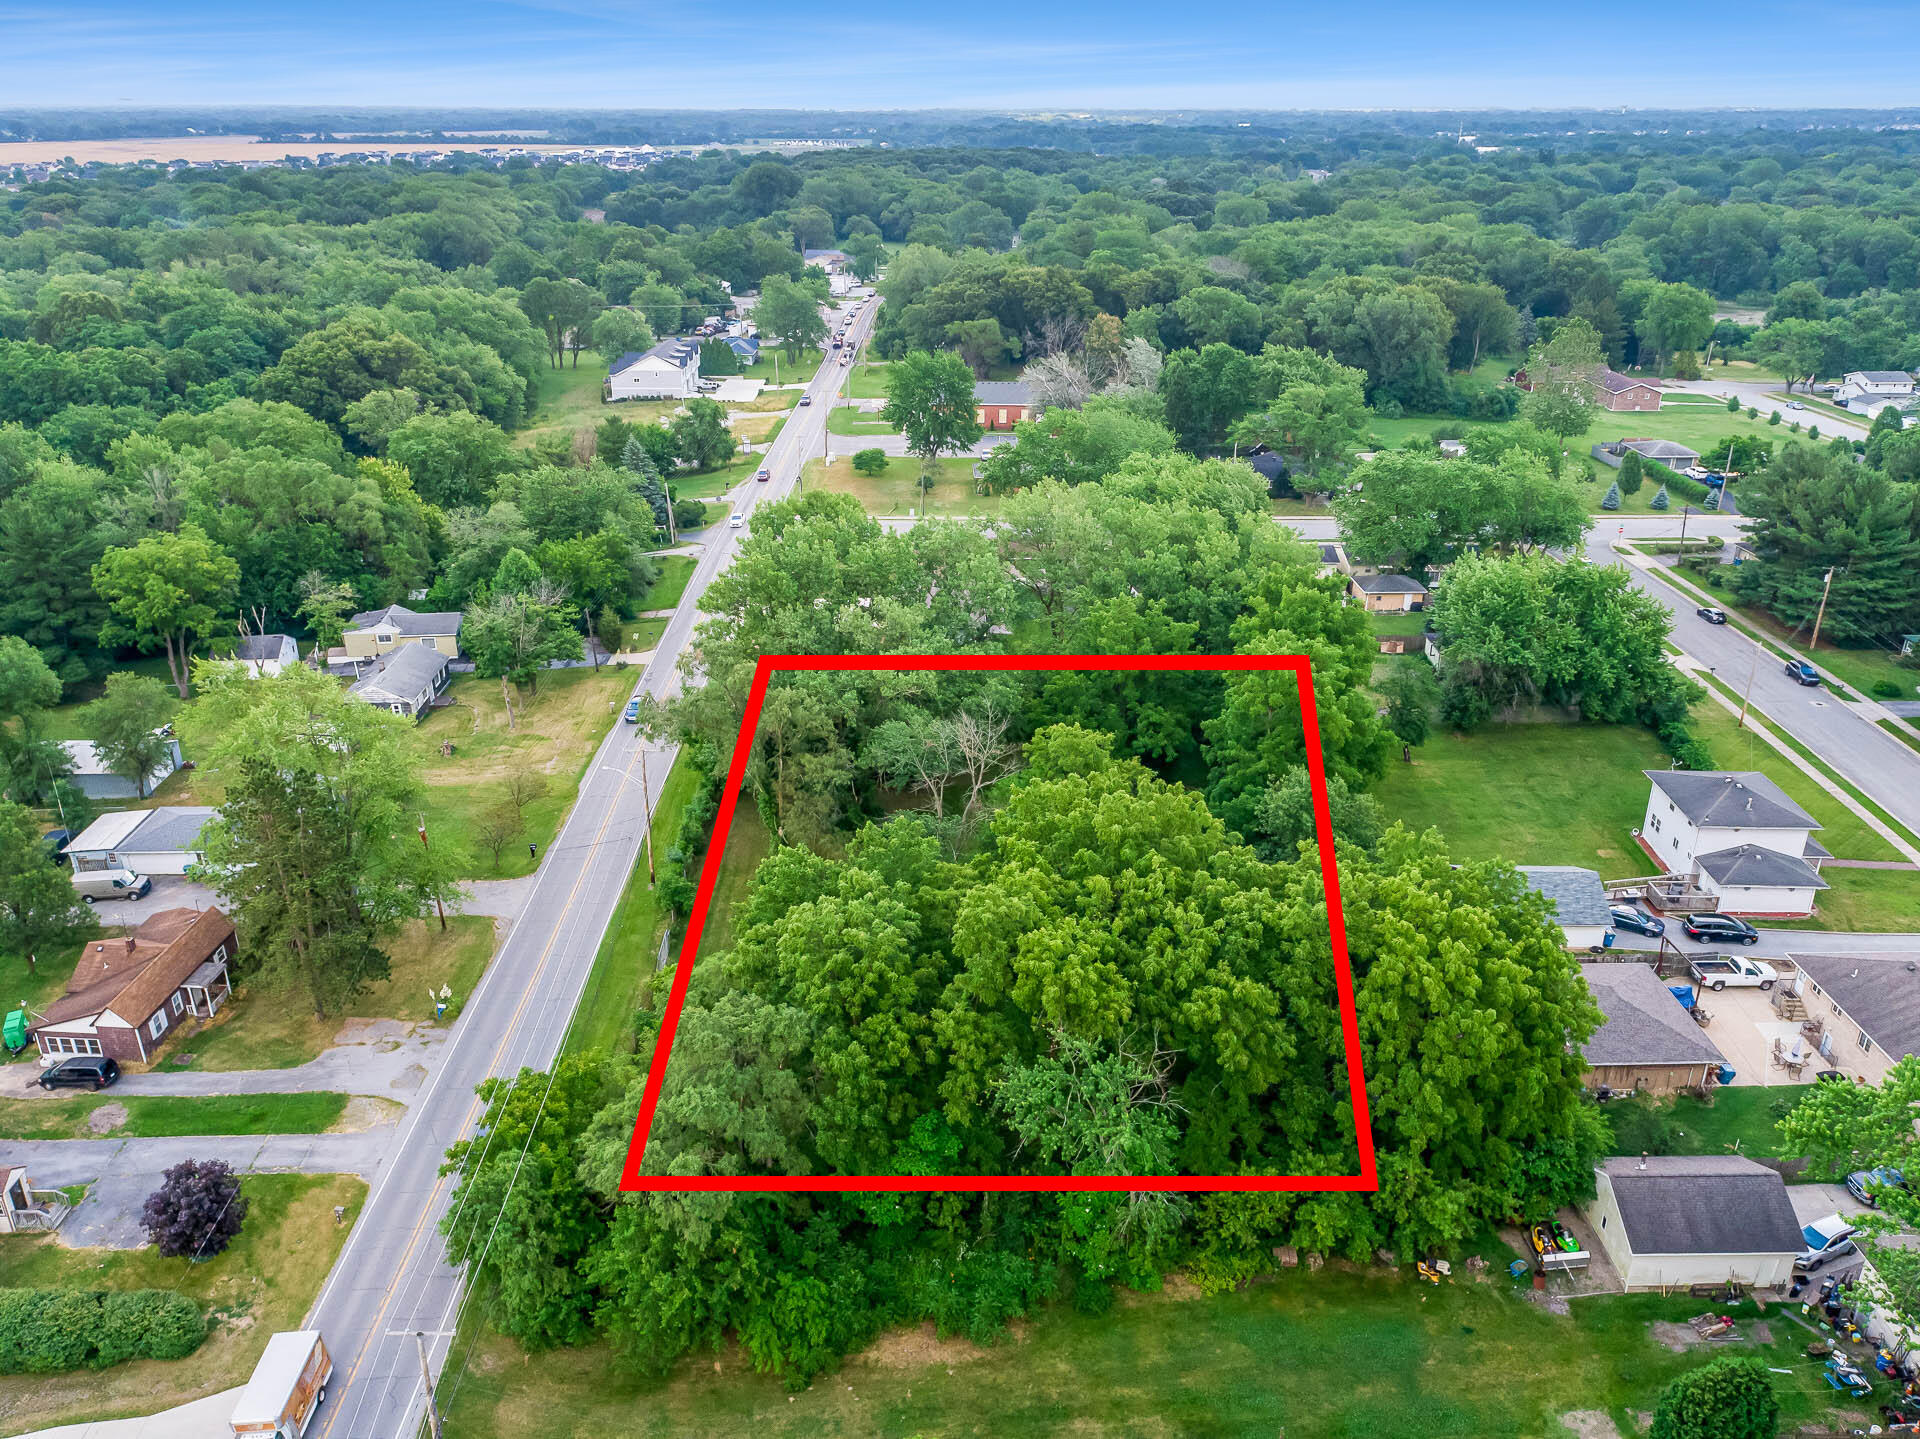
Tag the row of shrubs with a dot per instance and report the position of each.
(51, 1331)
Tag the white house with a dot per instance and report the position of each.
(1738, 835)
(1694, 1219)
(1579, 902)
(92, 777)
(146, 841)
(1862, 389)
(406, 681)
(669, 371)
(266, 654)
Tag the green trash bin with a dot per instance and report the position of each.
(14, 1032)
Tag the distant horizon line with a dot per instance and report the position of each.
(1035, 111)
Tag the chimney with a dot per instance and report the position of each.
(1643, 1159)
(129, 944)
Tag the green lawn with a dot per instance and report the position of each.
(569, 399)
(262, 1028)
(1411, 623)
(707, 484)
(1738, 1121)
(896, 489)
(790, 372)
(1338, 1353)
(665, 592)
(264, 1282)
(555, 732)
(868, 381)
(845, 420)
(624, 963)
(639, 636)
(149, 1117)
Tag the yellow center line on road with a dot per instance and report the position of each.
(413, 1239)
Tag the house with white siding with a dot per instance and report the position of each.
(1738, 835)
(1694, 1219)
(668, 371)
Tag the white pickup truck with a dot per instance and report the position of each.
(1724, 971)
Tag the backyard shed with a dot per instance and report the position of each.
(1694, 1219)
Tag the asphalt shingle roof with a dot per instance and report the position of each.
(1879, 992)
(1886, 377)
(170, 827)
(411, 623)
(1002, 392)
(1614, 383)
(1703, 1204)
(1730, 799)
(406, 674)
(1753, 865)
(1390, 584)
(1576, 893)
(1644, 1023)
(266, 647)
(677, 351)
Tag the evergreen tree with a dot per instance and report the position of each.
(1611, 501)
(1660, 500)
(1633, 472)
(1731, 1398)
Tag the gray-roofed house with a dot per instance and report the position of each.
(93, 777)
(1694, 1219)
(669, 370)
(1868, 1006)
(1709, 823)
(374, 634)
(163, 840)
(1387, 594)
(1646, 1041)
(266, 654)
(406, 681)
(1666, 452)
(1002, 404)
(1579, 902)
(1871, 389)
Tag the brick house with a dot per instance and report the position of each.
(127, 993)
(1002, 404)
(1615, 391)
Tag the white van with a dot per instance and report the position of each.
(96, 884)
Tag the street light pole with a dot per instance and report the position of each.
(1752, 671)
(436, 894)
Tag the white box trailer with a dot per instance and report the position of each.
(288, 1385)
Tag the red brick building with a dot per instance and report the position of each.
(1616, 391)
(1002, 404)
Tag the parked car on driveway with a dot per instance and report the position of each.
(1801, 672)
(82, 1071)
(1865, 1184)
(56, 841)
(95, 884)
(1720, 927)
(1712, 615)
(1827, 1240)
(1724, 971)
(1637, 921)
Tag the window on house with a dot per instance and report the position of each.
(1655, 822)
(1866, 1045)
(219, 955)
(157, 1026)
(178, 1003)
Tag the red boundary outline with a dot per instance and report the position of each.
(1367, 1180)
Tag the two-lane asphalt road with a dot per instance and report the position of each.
(392, 1281)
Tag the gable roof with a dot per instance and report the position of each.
(1576, 893)
(1644, 1023)
(1703, 1204)
(1389, 584)
(406, 674)
(1882, 377)
(412, 623)
(1002, 392)
(1753, 865)
(745, 346)
(678, 352)
(1615, 383)
(1730, 799)
(169, 826)
(1661, 450)
(87, 759)
(1879, 992)
(134, 976)
(267, 647)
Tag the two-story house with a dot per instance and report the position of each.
(372, 635)
(1738, 835)
(668, 371)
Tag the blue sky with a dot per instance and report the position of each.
(725, 54)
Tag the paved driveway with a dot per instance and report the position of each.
(170, 891)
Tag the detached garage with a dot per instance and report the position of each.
(1694, 1219)
(147, 841)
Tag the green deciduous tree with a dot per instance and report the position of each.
(1728, 1398)
(126, 722)
(790, 314)
(1561, 371)
(169, 589)
(39, 909)
(930, 401)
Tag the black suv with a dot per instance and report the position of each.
(1720, 927)
(83, 1071)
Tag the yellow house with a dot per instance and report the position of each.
(374, 634)
(1868, 1008)
(1387, 594)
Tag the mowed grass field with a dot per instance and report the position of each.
(1360, 1354)
(263, 1283)
(569, 400)
(896, 489)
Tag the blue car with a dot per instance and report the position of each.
(1638, 923)
(633, 710)
(1862, 1184)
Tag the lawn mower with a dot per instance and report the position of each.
(1433, 1271)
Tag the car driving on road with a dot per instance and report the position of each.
(735, 521)
(1802, 673)
(632, 715)
(1712, 615)
(763, 475)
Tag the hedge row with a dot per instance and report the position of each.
(50, 1331)
(1675, 482)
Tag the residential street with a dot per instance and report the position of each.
(391, 1280)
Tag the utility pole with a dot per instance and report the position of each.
(426, 1378)
(436, 894)
(1821, 613)
(1752, 671)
